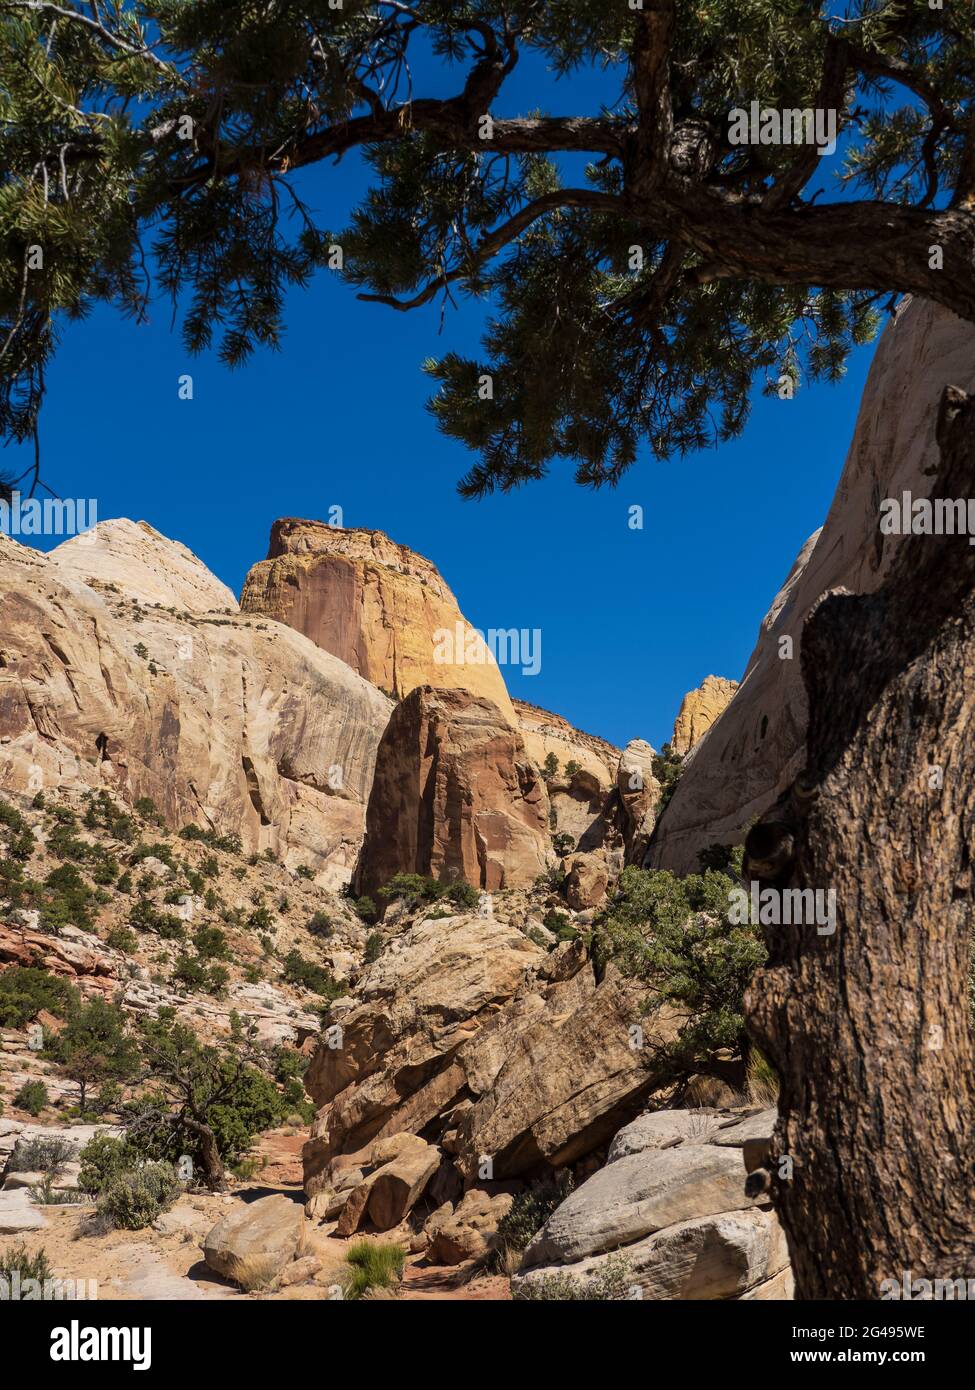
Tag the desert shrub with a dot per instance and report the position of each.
(17, 1261)
(563, 843)
(147, 809)
(374, 947)
(761, 1079)
(25, 990)
(320, 924)
(121, 939)
(11, 817)
(40, 1156)
(68, 900)
(32, 1097)
(158, 850)
(667, 767)
(307, 975)
(675, 935)
(724, 859)
(261, 918)
(414, 889)
(612, 1284)
(303, 871)
(531, 1209)
(560, 925)
(103, 1159)
(365, 909)
(373, 1266)
(133, 1199)
(211, 944)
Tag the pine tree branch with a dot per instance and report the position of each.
(496, 240)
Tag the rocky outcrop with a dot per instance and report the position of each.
(698, 711)
(639, 796)
(376, 605)
(454, 796)
(221, 719)
(394, 1176)
(472, 1037)
(389, 1065)
(671, 1204)
(757, 746)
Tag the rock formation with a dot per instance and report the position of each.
(220, 718)
(376, 605)
(756, 748)
(454, 796)
(670, 1205)
(698, 711)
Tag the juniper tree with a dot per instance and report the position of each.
(167, 145)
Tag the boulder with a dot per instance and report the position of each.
(638, 1195)
(711, 1257)
(664, 1129)
(18, 1214)
(257, 1240)
(586, 881)
(402, 1165)
(376, 605)
(757, 746)
(454, 796)
(466, 1234)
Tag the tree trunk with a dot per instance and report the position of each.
(868, 1028)
(210, 1160)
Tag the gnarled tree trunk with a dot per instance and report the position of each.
(868, 1027)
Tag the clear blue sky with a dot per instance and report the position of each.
(630, 620)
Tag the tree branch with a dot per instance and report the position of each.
(495, 241)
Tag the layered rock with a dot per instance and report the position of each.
(221, 719)
(698, 711)
(454, 796)
(377, 605)
(469, 1035)
(670, 1205)
(756, 747)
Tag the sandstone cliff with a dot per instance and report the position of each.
(698, 711)
(454, 796)
(118, 671)
(374, 604)
(756, 747)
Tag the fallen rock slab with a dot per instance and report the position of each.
(255, 1243)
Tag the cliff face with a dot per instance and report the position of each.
(124, 664)
(454, 796)
(756, 747)
(376, 605)
(698, 711)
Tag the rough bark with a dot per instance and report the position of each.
(868, 1027)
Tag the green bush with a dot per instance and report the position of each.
(103, 1159)
(32, 1097)
(374, 948)
(531, 1209)
(320, 924)
(133, 1200)
(612, 1284)
(121, 939)
(40, 1156)
(25, 990)
(414, 889)
(373, 1266)
(307, 975)
(17, 1261)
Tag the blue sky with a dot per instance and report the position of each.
(630, 620)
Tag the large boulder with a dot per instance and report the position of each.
(756, 747)
(638, 1195)
(378, 606)
(667, 1217)
(402, 1166)
(468, 1232)
(127, 666)
(454, 796)
(255, 1242)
